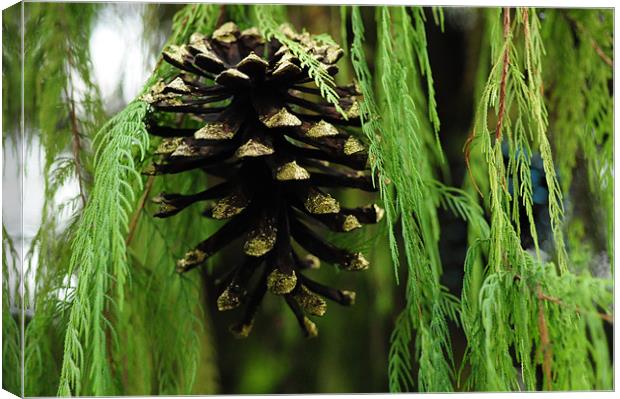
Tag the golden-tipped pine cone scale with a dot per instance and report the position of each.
(277, 145)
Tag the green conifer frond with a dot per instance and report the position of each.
(98, 251)
(523, 302)
(405, 160)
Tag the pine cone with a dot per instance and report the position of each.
(274, 142)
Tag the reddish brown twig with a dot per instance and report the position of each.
(505, 65)
(136, 215)
(544, 339)
(467, 150)
(579, 26)
(502, 100)
(607, 317)
(541, 295)
(76, 147)
(526, 33)
(601, 53)
(75, 130)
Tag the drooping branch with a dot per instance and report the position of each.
(545, 297)
(76, 146)
(578, 26)
(467, 151)
(605, 316)
(505, 65)
(544, 339)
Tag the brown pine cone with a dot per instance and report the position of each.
(268, 134)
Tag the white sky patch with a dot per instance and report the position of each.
(117, 51)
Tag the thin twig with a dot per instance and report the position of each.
(541, 295)
(136, 215)
(75, 132)
(467, 150)
(599, 51)
(544, 339)
(526, 33)
(505, 64)
(75, 148)
(502, 100)
(607, 317)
